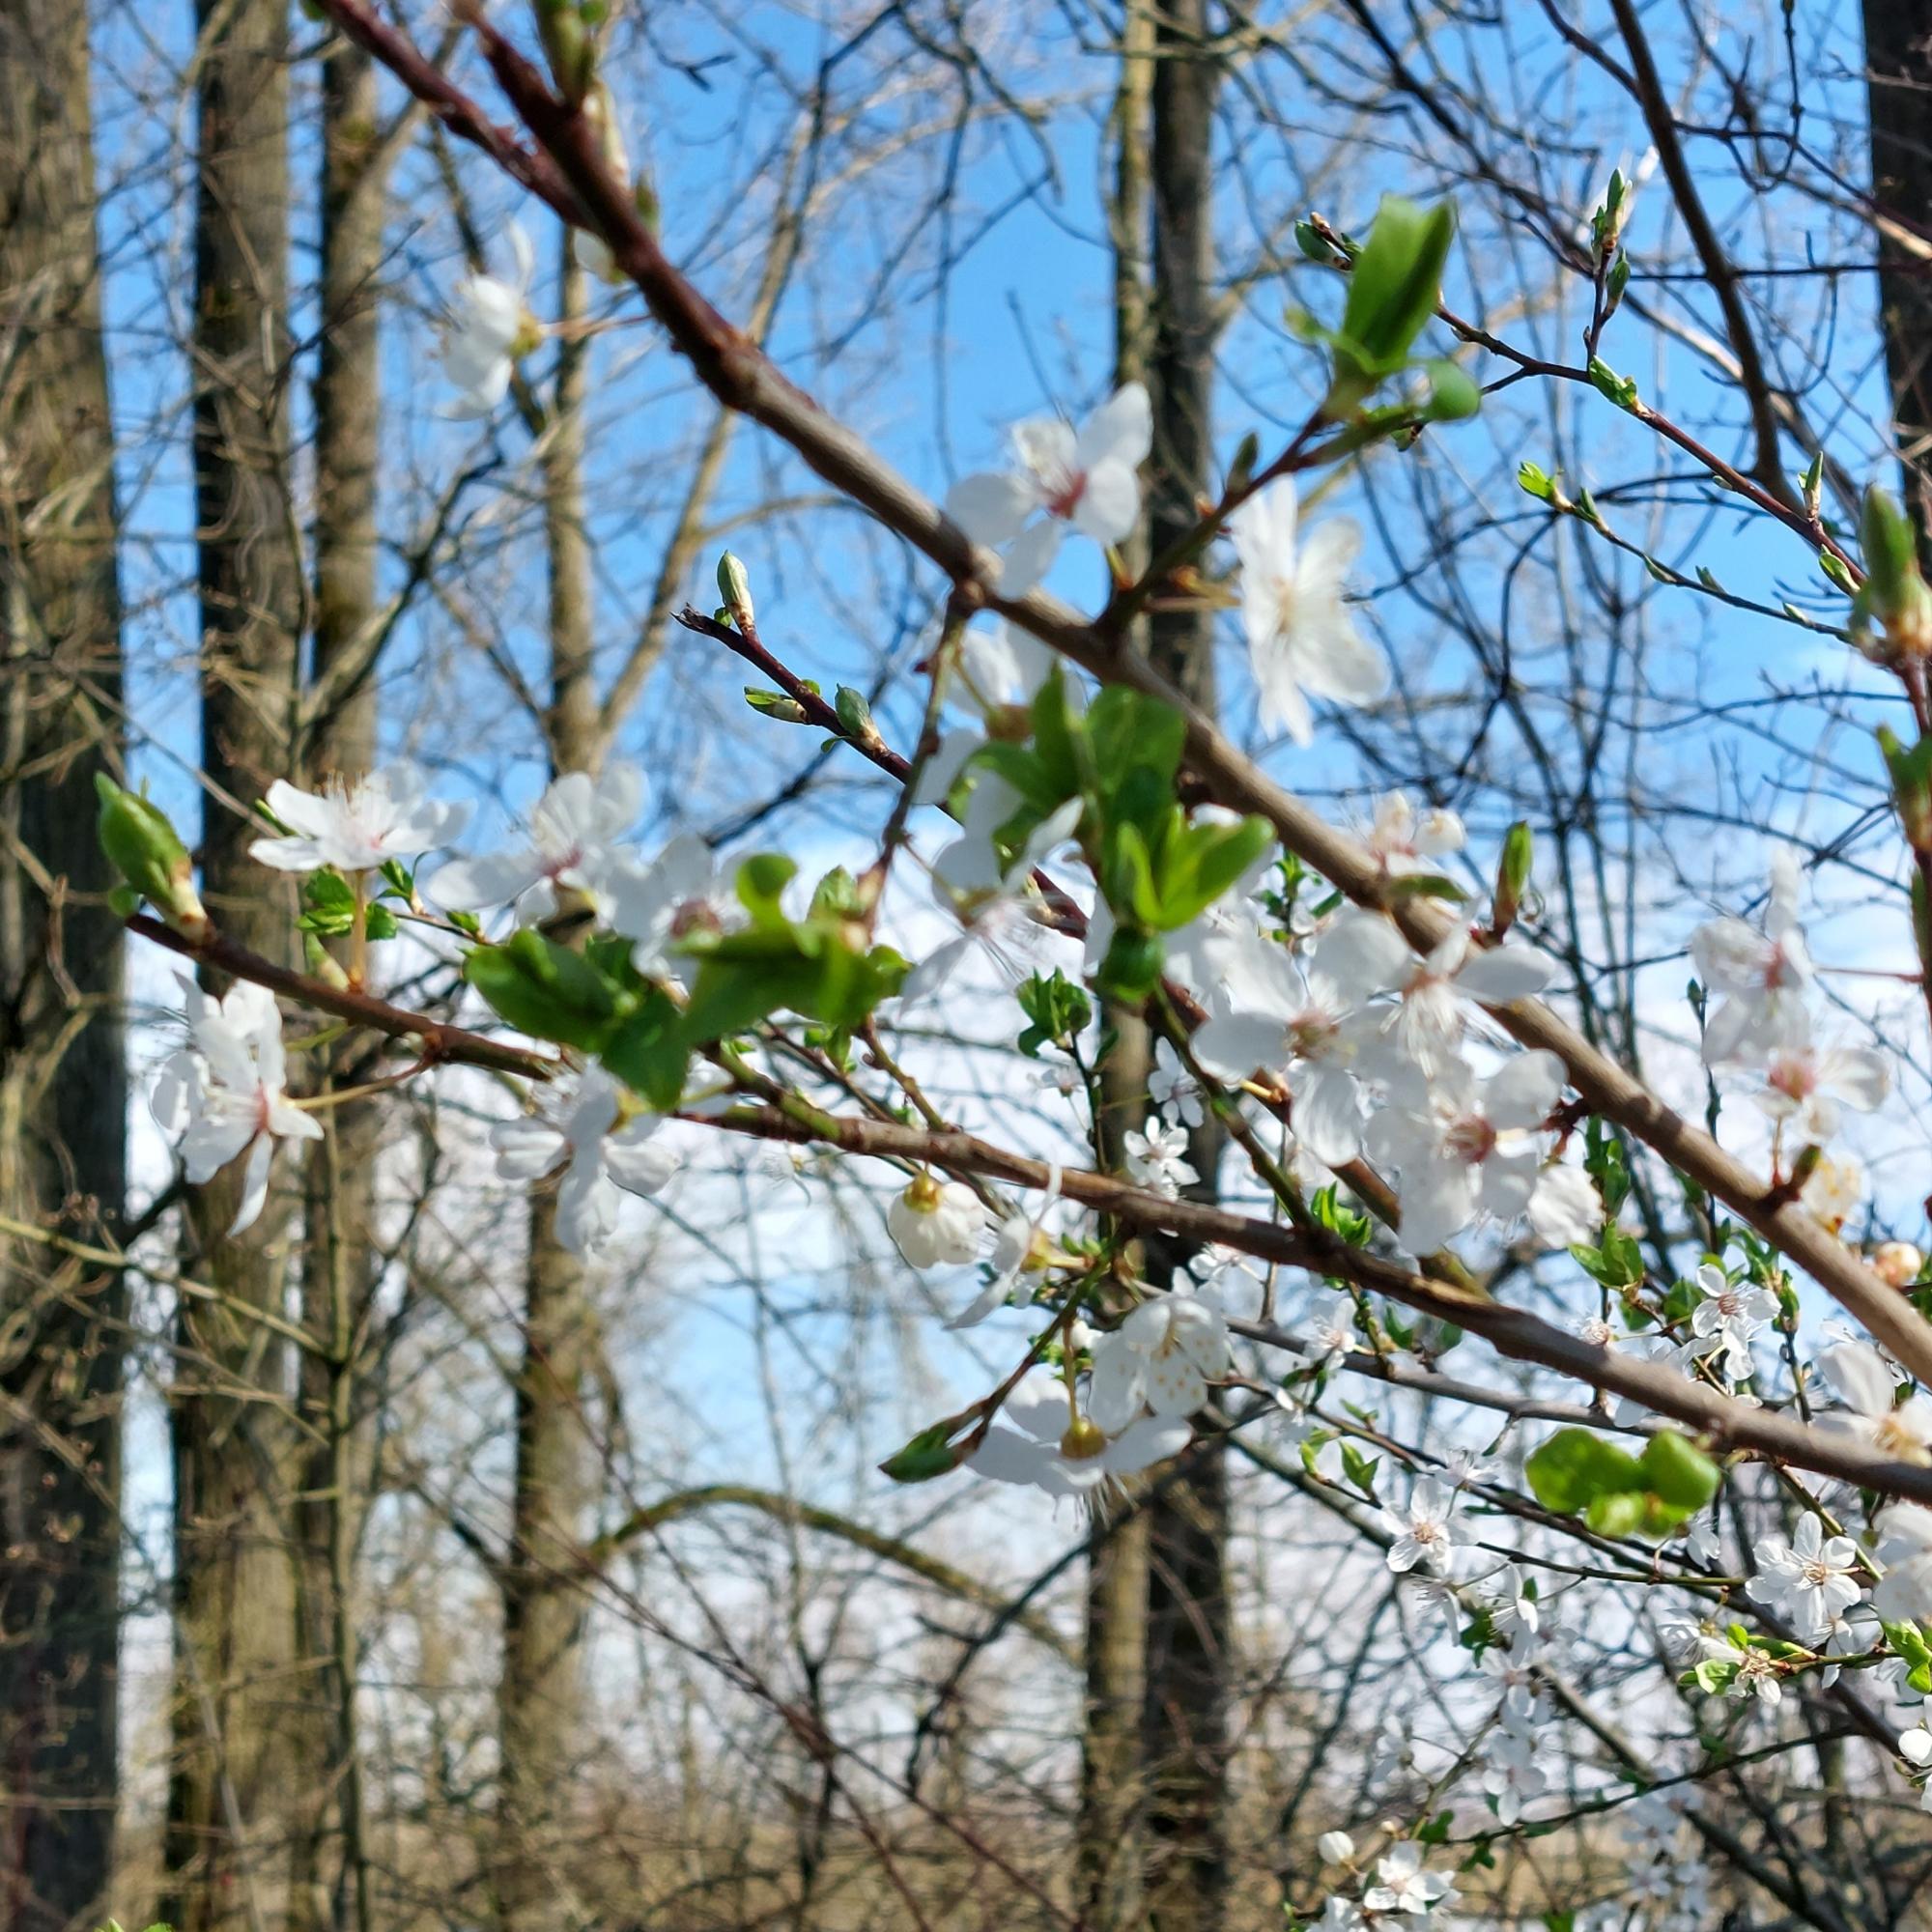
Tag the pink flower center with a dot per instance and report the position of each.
(1471, 1139)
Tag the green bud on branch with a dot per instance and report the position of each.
(149, 854)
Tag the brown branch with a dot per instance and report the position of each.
(1510, 1331)
(439, 1040)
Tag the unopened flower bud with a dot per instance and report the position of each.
(735, 587)
(1896, 1263)
(149, 854)
(1337, 1848)
(1894, 592)
(1511, 876)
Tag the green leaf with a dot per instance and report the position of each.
(649, 1050)
(545, 990)
(1678, 1471)
(1620, 390)
(1576, 1466)
(1057, 1010)
(1393, 290)
(1536, 481)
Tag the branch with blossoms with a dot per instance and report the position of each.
(1305, 981)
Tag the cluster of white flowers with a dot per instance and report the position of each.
(227, 1089)
(1402, 1888)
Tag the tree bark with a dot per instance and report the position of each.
(1187, 1657)
(1108, 1836)
(63, 1081)
(340, 1240)
(234, 1798)
(541, 1698)
(1898, 68)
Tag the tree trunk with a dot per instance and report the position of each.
(62, 1082)
(1898, 63)
(1187, 1660)
(1108, 1842)
(541, 1701)
(235, 1776)
(339, 1245)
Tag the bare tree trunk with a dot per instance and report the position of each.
(1898, 63)
(1187, 1660)
(63, 1081)
(540, 1700)
(1108, 1836)
(339, 1246)
(236, 1777)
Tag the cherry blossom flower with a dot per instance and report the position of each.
(1833, 1191)
(1762, 974)
(1896, 1263)
(936, 1222)
(488, 329)
(1300, 1021)
(1756, 1676)
(1020, 1248)
(1171, 1088)
(1086, 479)
(683, 891)
(1001, 669)
(1914, 1747)
(1163, 1356)
(1862, 1379)
(991, 900)
(1422, 1530)
(1459, 1144)
(1157, 1159)
(1063, 1456)
(1511, 1775)
(572, 846)
(1729, 1317)
(1804, 1083)
(1404, 843)
(1405, 1884)
(1429, 1021)
(1564, 1208)
(358, 827)
(587, 1121)
(1903, 1594)
(1812, 1579)
(1302, 639)
(226, 1089)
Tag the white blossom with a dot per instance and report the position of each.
(358, 827)
(1300, 1021)
(1805, 1085)
(1405, 1884)
(1812, 1579)
(1405, 841)
(572, 845)
(1163, 1356)
(226, 1089)
(936, 1222)
(682, 892)
(1422, 1530)
(1762, 974)
(1052, 1452)
(1157, 1159)
(1086, 479)
(1336, 1848)
(1860, 1377)
(1429, 1020)
(1020, 1248)
(1461, 1144)
(1904, 1593)
(1171, 1088)
(1729, 1317)
(587, 1121)
(1302, 639)
(488, 329)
